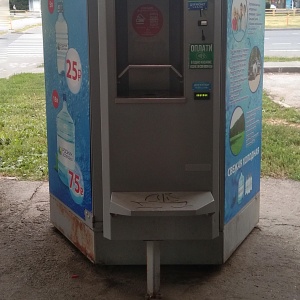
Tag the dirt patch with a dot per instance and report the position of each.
(283, 88)
(282, 122)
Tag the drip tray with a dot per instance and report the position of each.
(151, 96)
(147, 204)
(152, 93)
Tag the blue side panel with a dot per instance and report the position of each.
(244, 87)
(66, 57)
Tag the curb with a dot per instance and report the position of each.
(290, 28)
(282, 70)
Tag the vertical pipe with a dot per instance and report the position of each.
(153, 269)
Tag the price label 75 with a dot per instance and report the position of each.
(74, 183)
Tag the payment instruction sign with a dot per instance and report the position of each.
(197, 4)
(201, 56)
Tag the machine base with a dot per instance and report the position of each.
(103, 251)
(73, 228)
(240, 226)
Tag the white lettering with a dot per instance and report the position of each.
(202, 48)
(242, 162)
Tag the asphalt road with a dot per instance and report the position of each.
(21, 52)
(285, 43)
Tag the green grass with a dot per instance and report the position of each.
(282, 21)
(236, 143)
(281, 141)
(280, 59)
(23, 150)
(272, 110)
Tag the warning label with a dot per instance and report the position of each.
(147, 20)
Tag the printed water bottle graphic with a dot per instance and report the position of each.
(65, 143)
(241, 188)
(62, 44)
(248, 187)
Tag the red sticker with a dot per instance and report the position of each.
(51, 6)
(147, 20)
(55, 99)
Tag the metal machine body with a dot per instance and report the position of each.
(173, 98)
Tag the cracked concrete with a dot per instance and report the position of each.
(38, 263)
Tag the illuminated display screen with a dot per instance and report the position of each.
(201, 96)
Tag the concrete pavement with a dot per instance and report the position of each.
(282, 67)
(283, 88)
(38, 263)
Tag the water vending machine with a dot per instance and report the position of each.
(154, 127)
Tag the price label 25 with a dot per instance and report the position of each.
(73, 70)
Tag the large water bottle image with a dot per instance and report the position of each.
(62, 44)
(65, 143)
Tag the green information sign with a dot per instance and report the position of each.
(201, 56)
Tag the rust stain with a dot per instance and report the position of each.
(81, 235)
